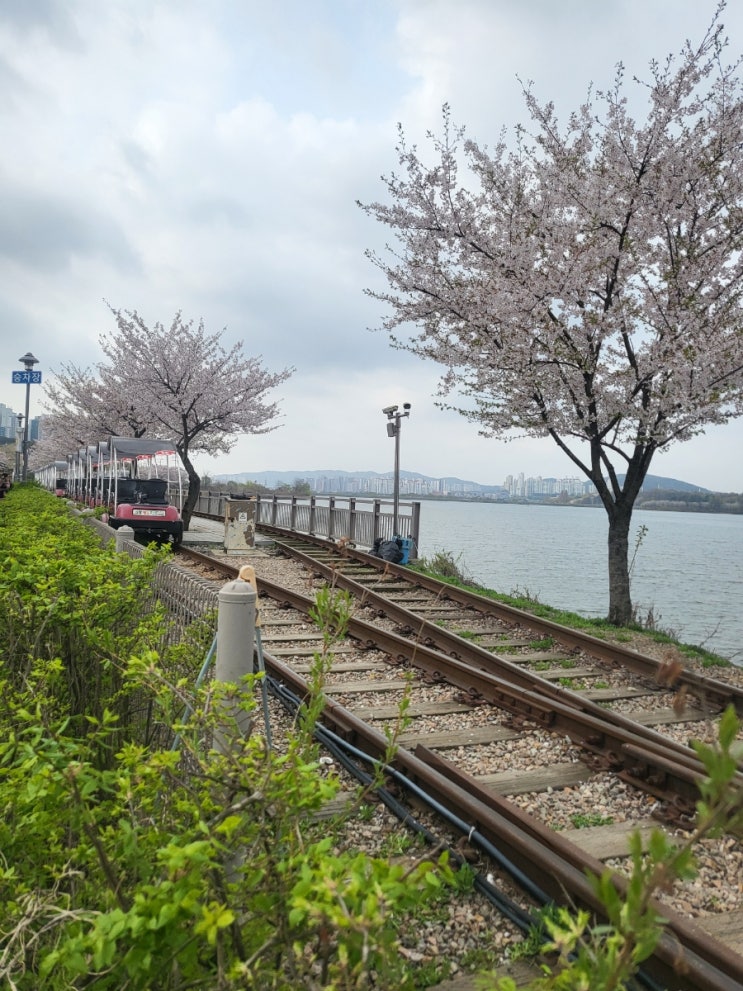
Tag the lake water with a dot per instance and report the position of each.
(688, 567)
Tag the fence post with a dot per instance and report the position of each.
(331, 521)
(235, 645)
(415, 528)
(123, 534)
(377, 519)
(352, 520)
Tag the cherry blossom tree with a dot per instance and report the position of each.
(585, 283)
(177, 383)
(83, 408)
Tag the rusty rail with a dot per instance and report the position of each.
(714, 693)
(687, 958)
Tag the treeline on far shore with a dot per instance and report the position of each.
(677, 501)
(670, 500)
(691, 502)
(299, 487)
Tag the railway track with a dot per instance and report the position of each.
(498, 684)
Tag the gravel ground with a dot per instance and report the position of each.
(471, 930)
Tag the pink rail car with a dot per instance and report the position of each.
(138, 471)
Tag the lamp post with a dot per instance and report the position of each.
(394, 419)
(18, 445)
(29, 376)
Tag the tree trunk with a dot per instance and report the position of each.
(620, 602)
(194, 488)
(619, 503)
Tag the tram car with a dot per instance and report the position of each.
(131, 477)
(53, 477)
(60, 479)
(136, 493)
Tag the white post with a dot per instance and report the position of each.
(123, 534)
(235, 646)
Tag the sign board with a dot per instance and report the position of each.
(27, 378)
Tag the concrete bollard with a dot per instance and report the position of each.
(235, 646)
(239, 525)
(123, 534)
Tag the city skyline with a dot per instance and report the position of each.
(414, 483)
(10, 423)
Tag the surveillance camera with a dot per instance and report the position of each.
(406, 405)
(389, 410)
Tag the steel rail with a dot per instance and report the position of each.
(715, 694)
(686, 958)
(708, 965)
(481, 674)
(640, 755)
(657, 765)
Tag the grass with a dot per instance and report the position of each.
(468, 635)
(602, 629)
(584, 821)
(546, 643)
(533, 942)
(397, 844)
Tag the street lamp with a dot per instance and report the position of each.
(18, 445)
(28, 377)
(394, 418)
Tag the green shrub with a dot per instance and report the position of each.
(67, 598)
(127, 866)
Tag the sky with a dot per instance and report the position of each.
(207, 156)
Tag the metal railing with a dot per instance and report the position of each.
(360, 520)
(186, 596)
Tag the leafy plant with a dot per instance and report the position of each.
(128, 866)
(442, 564)
(534, 941)
(71, 601)
(605, 956)
(396, 844)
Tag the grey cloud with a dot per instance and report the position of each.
(45, 233)
(136, 157)
(313, 327)
(50, 17)
(12, 85)
(222, 209)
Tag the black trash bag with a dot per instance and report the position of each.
(388, 550)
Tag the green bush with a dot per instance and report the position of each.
(67, 598)
(123, 866)
(171, 870)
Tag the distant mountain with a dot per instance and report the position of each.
(271, 479)
(653, 482)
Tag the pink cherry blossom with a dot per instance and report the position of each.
(177, 383)
(583, 283)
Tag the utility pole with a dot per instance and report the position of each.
(394, 419)
(27, 377)
(18, 446)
